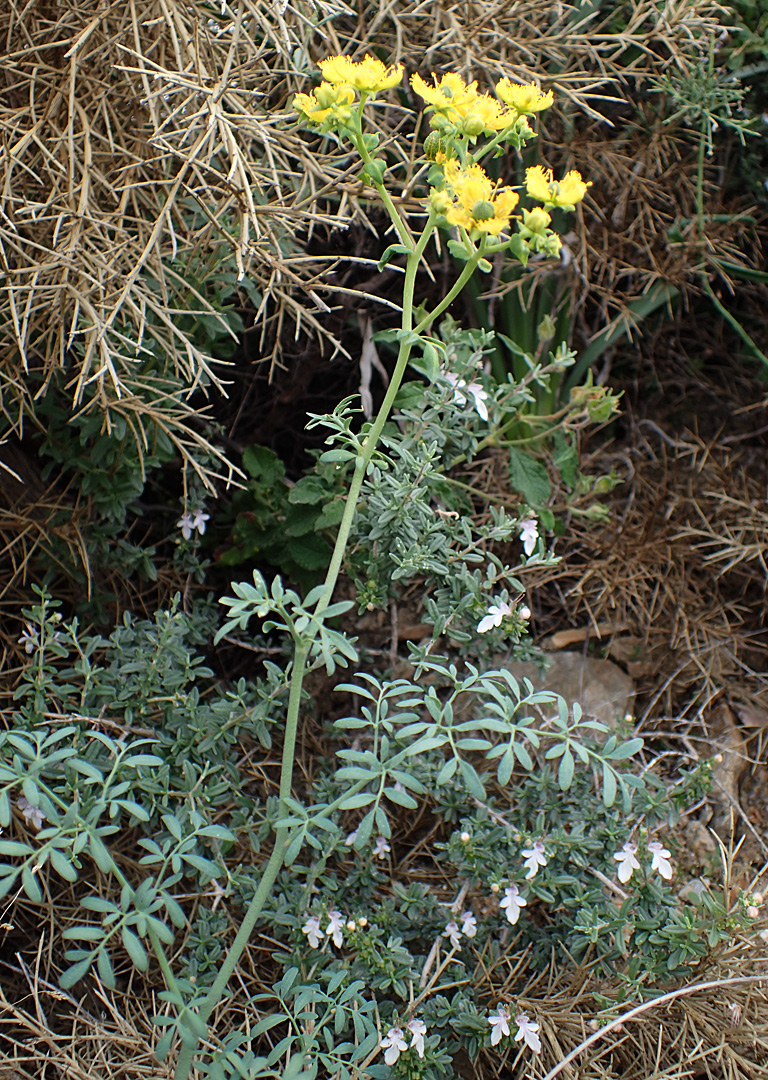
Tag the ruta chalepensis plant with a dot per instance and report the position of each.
(467, 127)
(364, 976)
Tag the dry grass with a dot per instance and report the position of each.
(139, 155)
(680, 567)
(145, 147)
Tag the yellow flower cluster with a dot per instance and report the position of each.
(523, 98)
(331, 102)
(368, 75)
(566, 193)
(326, 102)
(471, 200)
(459, 104)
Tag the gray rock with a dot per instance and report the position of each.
(602, 689)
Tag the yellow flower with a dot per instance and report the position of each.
(368, 75)
(572, 188)
(485, 114)
(451, 96)
(325, 101)
(523, 98)
(476, 205)
(540, 185)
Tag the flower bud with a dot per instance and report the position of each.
(473, 125)
(483, 211)
(439, 200)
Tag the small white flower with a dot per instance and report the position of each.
(394, 1044)
(452, 931)
(499, 1022)
(534, 858)
(479, 397)
(351, 837)
(529, 534)
(335, 928)
(29, 638)
(465, 838)
(33, 814)
(660, 859)
(475, 391)
(194, 522)
(312, 929)
(199, 519)
(524, 612)
(418, 1030)
(469, 924)
(627, 861)
(496, 612)
(382, 847)
(513, 902)
(527, 1030)
(185, 524)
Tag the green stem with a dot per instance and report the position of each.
(271, 870)
(276, 859)
(386, 198)
(469, 268)
(372, 438)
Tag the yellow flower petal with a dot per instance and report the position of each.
(485, 114)
(368, 75)
(523, 97)
(476, 206)
(451, 95)
(324, 101)
(308, 104)
(570, 190)
(538, 183)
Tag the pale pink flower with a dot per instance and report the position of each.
(312, 929)
(33, 814)
(335, 928)
(29, 639)
(660, 860)
(452, 931)
(418, 1030)
(534, 858)
(192, 522)
(529, 534)
(475, 391)
(513, 902)
(496, 612)
(469, 924)
(382, 847)
(393, 1044)
(528, 1031)
(499, 1022)
(627, 861)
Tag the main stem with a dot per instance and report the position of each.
(303, 647)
